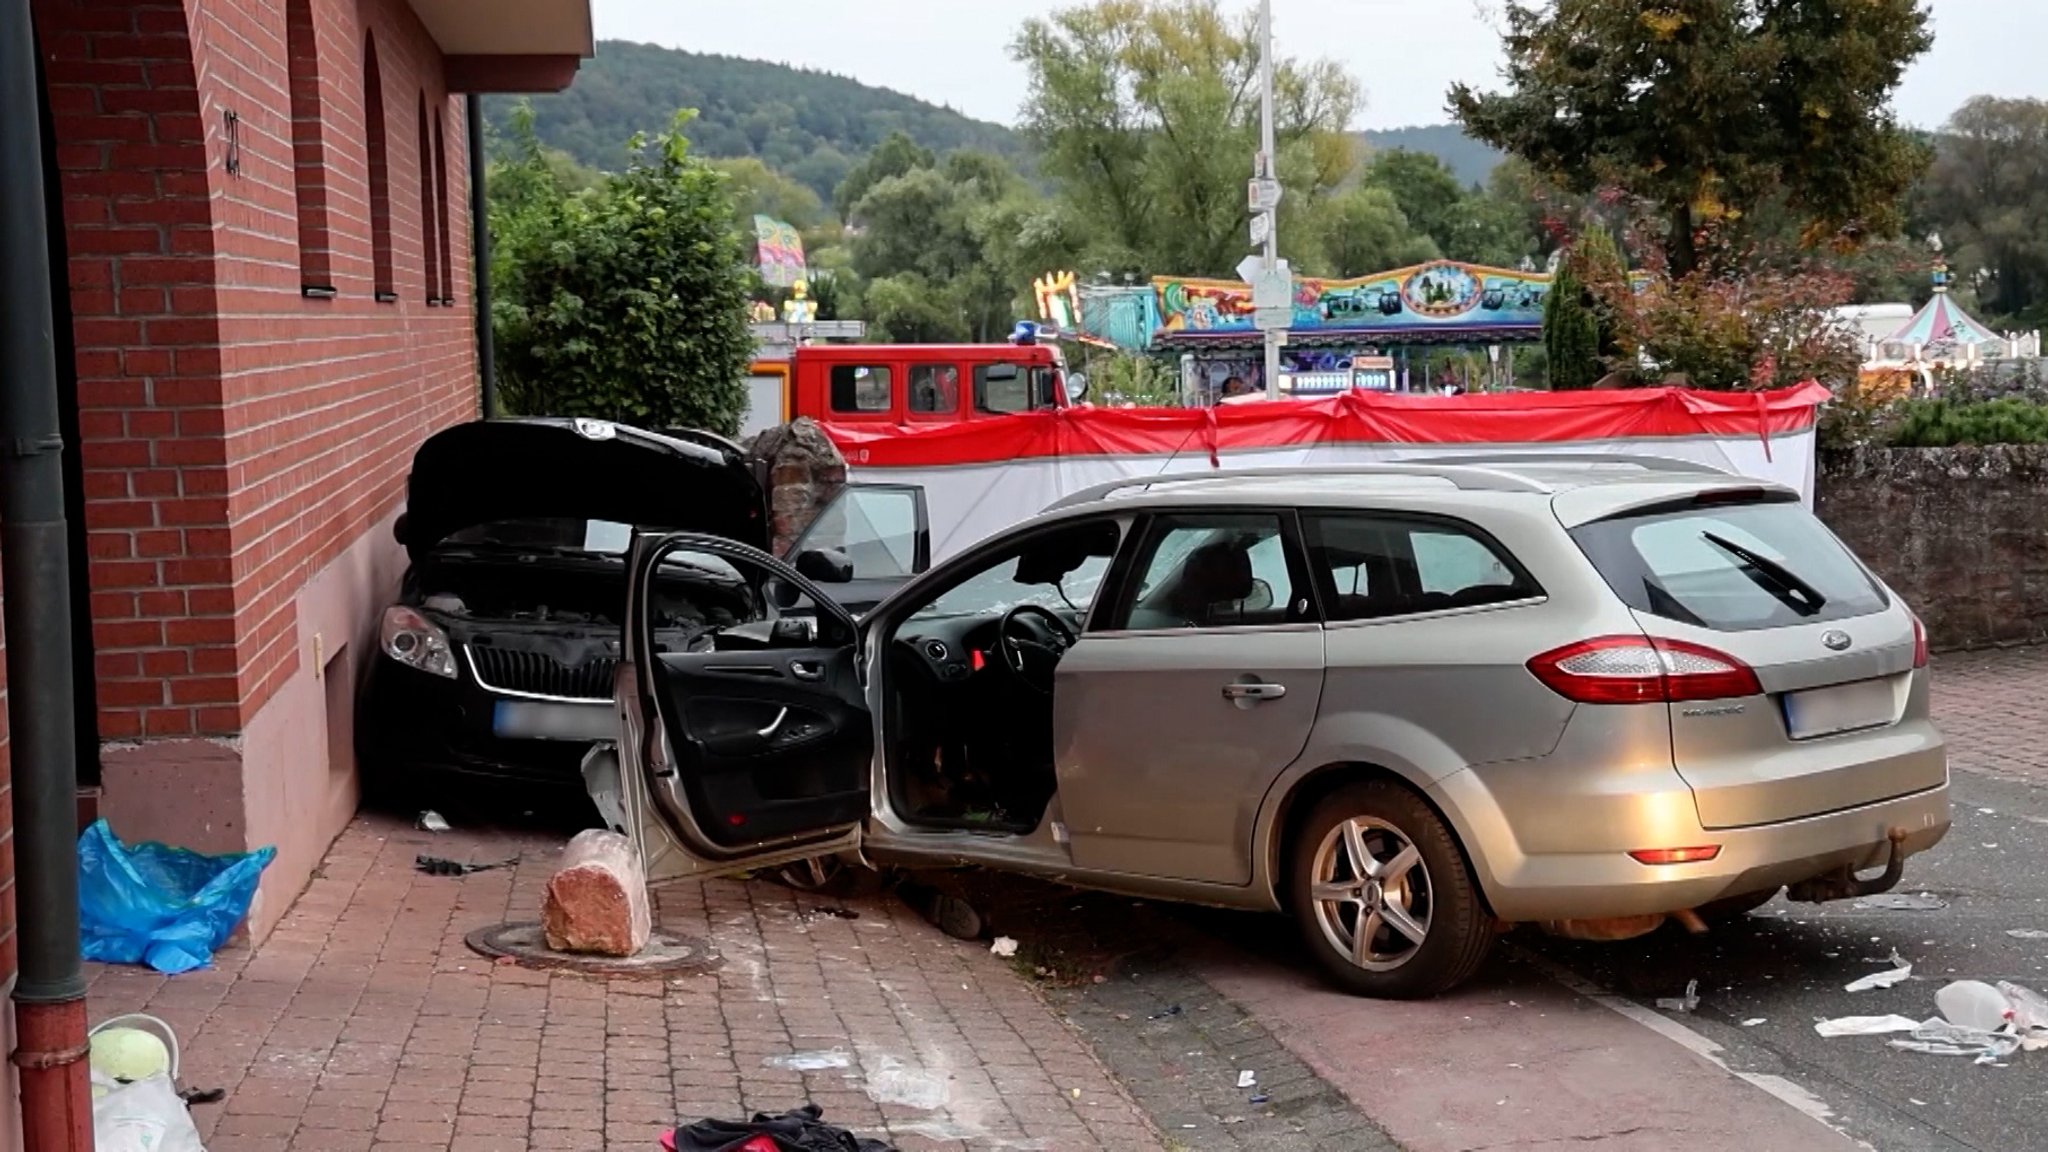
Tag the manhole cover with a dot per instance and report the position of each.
(524, 944)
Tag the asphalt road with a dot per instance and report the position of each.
(1763, 983)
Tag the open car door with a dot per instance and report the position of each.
(756, 752)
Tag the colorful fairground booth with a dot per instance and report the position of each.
(1368, 333)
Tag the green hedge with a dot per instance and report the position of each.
(1945, 423)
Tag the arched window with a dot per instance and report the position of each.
(441, 194)
(430, 232)
(380, 173)
(309, 156)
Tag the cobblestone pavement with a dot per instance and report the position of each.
(364, 1024)
(1993, 707)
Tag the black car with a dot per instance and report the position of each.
(498, 658)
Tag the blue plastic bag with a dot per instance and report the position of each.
(153, 904)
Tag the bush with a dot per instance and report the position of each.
(629, 301)
(1945, 423)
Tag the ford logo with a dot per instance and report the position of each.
(1836, 640)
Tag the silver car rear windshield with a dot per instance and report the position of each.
(1760, 561)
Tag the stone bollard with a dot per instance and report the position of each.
(805, 473)
(597, 900)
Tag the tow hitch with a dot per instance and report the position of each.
(1843, 883)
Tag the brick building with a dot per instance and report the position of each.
(262, 291)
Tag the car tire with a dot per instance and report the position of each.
(1730, 908)
(1433, 892)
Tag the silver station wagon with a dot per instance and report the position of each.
(1409, 704)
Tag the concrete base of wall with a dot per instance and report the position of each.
(289, 780)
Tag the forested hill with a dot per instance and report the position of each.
(812, 126)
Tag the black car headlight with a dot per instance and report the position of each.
(417, 642)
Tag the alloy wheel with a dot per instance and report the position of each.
(1372, 893)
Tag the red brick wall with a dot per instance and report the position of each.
(236, 435)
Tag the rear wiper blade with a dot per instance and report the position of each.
(1789, 589)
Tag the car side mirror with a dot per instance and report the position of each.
(783, 594)
(398, 528)
(1077, 387)
(824, 566)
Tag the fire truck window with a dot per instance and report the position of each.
(860, 388)
(934, 389)
(1002, 389)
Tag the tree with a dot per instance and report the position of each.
(757, 189)
(1707, 108)
(1146, 113)
(898, 155)
(1364, 231)
(1571, 334)
(629, 302)
(1987, 195)
(939, 248)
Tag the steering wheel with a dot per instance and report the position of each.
(1024, 647)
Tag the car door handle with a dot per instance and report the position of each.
(807, 669)
(774, 725)
(1253, 690)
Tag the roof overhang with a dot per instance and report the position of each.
(509, 45)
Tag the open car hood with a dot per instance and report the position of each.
(498, 470)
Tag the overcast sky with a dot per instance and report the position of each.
(1407, 52)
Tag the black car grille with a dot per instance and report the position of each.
(538, 674)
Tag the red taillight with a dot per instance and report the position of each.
(1675, 855)
(1919, 642)
(1643, 670)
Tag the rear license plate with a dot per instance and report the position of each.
(1844, 707)
(547, 720)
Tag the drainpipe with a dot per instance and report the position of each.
(480, 257)
(49, 995)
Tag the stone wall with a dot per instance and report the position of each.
(804, 473)
(1961, 533)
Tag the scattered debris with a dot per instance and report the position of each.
(810, 1061)
(1754, 1021)
(1247, 1078)
(203, 1095)
(1260, 1098)
(1900, 972)
(1902, 902)
(1685, 1003)
(1163, 1013)
(1986, 1023)
(432, 821)
(438, 866)
(1865, 1025)
(1004, 946)
(2027, 933)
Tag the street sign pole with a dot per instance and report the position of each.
(1267, 171)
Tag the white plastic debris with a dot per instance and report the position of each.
(1900, 972)
(1754, 1021)
(1973, 1004)
(1247, 1078)
(1865, 1025)
(1004, 946)
(1984, 1022)
(810, 1061)
(2027, 933)
(1902, 902)
(432, 821)
(1685, 1003)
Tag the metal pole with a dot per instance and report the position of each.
(480, 254)
(1269, 169)
(49, 998)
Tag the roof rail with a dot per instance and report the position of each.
(1464, 477)
(1646, 463)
